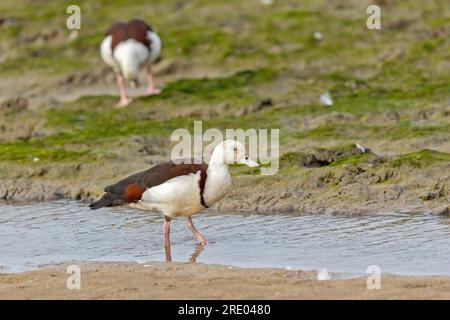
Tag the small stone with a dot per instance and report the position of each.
(429, 196)
(267, 2)
(360, 147)
(318, 36)
(325, 99)
(323, 275)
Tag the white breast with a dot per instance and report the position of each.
(177, 196)
(217, 183)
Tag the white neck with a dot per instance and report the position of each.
(217, 182)
(217, 157)
(217, 167)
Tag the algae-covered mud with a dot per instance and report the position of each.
(238, 64)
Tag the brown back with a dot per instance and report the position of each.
(134, 29)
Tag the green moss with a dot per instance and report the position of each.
(92, 119)
(420, 158)
(356, 131)
(241, 169)
(189, 91)
(198, 40)
(322, 157)
(42, 59)
(352, 160)
(92, 127)
(25, 153)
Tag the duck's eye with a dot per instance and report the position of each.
(246, 158)
(235, 149)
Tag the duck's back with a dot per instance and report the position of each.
(167, 179)
(129, 44)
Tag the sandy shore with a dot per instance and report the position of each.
(201, 281)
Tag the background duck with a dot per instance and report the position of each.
(127, 48)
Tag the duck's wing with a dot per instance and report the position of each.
(131, 188)
(134, 29)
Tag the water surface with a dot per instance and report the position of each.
(36, 235)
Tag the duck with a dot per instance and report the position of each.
(179, 187)
(127, 48)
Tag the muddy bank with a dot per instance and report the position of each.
(199, 281)
(354, 198)
(342, 180)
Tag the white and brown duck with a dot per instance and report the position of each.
(127, 48)
(178, 188)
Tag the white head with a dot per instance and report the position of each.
(229, 152)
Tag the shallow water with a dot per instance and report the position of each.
(399, 243)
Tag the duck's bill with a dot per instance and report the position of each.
(249, 163)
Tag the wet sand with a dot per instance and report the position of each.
(201, 281)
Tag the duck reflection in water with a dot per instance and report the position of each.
(193, 258)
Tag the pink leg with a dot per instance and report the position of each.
(124, 100)
(197, 234)
(151, 83)
(166, 230)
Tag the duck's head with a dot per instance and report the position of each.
(229, 152)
